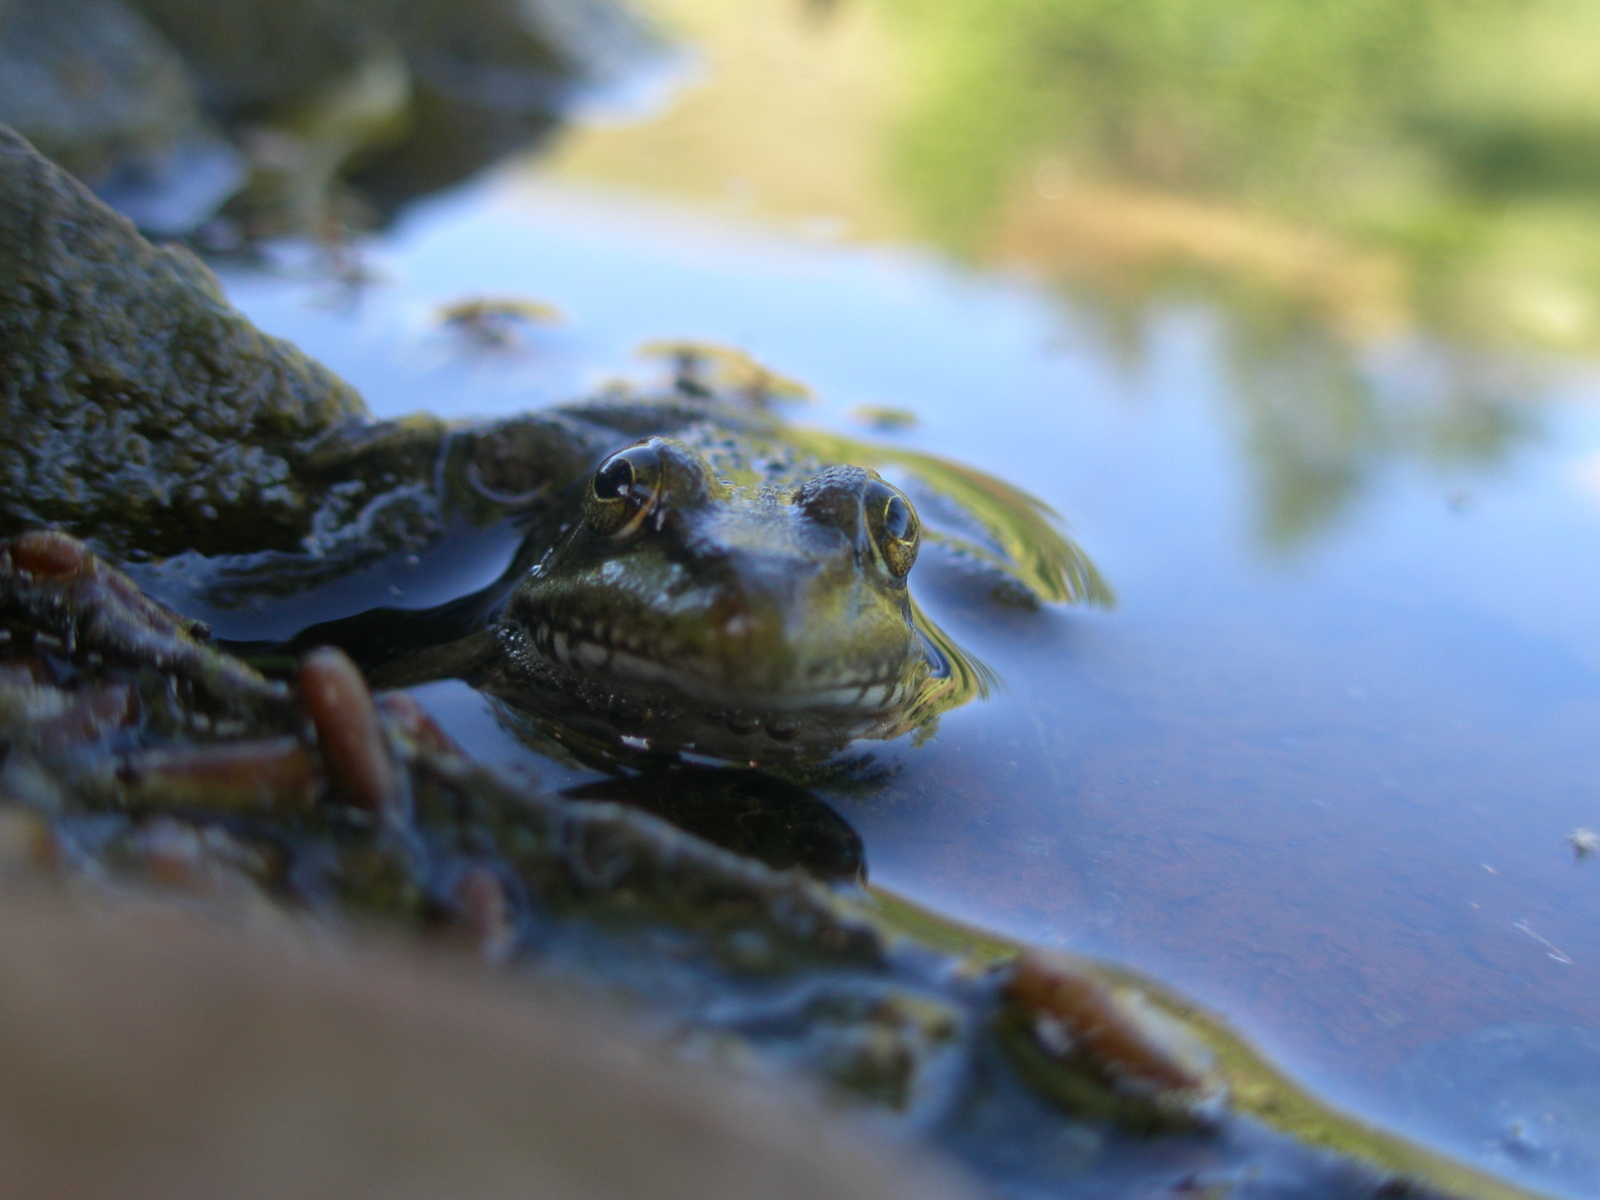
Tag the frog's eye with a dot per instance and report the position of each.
(623, 491)
(894, 527)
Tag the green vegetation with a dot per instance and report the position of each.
(1455, 139)
(1339, 176)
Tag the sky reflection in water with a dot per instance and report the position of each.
(1321, 783)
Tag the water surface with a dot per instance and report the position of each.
(1323, 785)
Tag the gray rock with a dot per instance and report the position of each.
(137, 406)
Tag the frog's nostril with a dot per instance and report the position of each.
(833, 497)
(686, 478)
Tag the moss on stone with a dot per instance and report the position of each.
(137, 407)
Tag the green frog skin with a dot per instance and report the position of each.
(701, 609)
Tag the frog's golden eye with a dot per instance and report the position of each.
(894, 527)
(624, 491)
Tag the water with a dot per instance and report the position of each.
(1322, 783)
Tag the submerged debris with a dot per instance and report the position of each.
(883, 418)
(1106, 1048)
(497, 320)
(706, 368)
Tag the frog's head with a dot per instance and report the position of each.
(742, 622)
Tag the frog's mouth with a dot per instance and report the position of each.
(657, 690)
(634, 660)
(739, 681)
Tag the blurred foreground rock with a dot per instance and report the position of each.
(150, 1054)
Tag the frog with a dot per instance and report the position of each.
(693, 573)
(680, 568)
(721, 585)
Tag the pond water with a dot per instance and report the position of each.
(1291, 311)
(1322, 783)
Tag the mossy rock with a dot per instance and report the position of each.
(137, 407)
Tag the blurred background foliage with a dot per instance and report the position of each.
(1383, 162)
(1392, 205)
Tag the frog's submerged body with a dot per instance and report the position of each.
(692, 574)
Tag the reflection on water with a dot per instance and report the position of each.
(1327, 794)
(1341, 180)
(748, 812)
(1423, 162)
(1321, 425)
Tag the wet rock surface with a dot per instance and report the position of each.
(138, 407)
